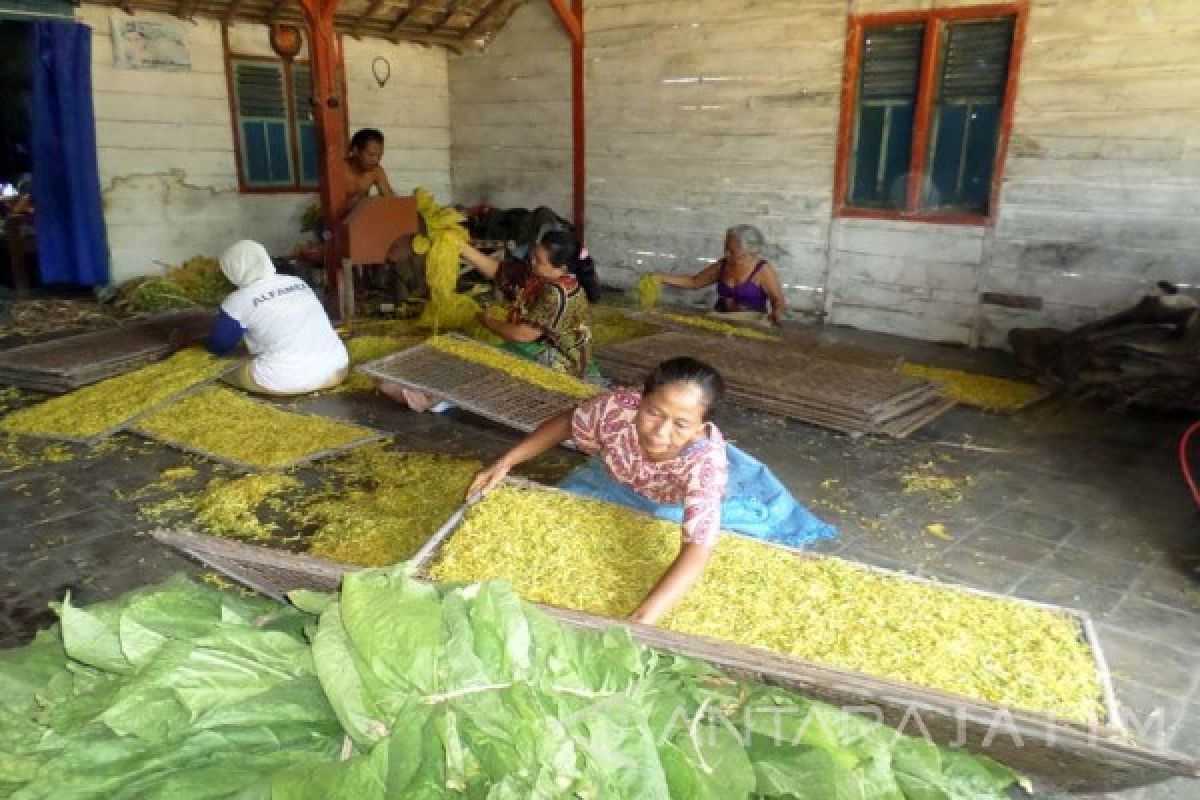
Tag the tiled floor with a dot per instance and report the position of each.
(1060, 504)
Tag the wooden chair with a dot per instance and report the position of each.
(371, 229)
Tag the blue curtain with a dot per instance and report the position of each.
(66, 183)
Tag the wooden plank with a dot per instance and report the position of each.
(1113, 229)
(488, 17)
(930, 243)
(163, 136)
(914, 324)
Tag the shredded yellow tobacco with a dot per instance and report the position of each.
(9, 396)
(372, 507)
(197, 282)
(173, 475)
(604, 559)
(940, 490)
(230, 506)
(387, 327)
(982, 391)
(104, 406)
(611, 325)
(228, 425)
(14, 457)
(368, 348)
(383, 505)
(168, 481)
(649, 290)
(716, 325)
(544, 377)
(442, 246)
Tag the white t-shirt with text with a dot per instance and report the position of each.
(295, 346)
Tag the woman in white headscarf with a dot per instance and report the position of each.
(292, 344)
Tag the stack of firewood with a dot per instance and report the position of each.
(1147, 356)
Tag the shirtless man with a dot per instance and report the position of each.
(363, 173)
(363, 170)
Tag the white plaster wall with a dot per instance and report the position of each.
(412, 109)
(510, 107)
(165, 139)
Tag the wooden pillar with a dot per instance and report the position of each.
(572, 20)
(329, 108)
(578, 121)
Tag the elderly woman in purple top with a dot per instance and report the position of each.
(745, 281)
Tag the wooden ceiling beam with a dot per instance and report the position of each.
(232, 11)
(275, 11)
(485, 14)
(372, 7)
(403, 14)
(451, 10)
(421, 37)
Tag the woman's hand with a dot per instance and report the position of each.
(674, 584)
(644, 617)
(550, 433)
(488, 478)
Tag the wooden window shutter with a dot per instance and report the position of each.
(306, 131)
(262, 109)
(886, 103)
(967, 114)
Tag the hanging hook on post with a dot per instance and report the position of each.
(381, 76)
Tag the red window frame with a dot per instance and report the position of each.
(935, 21)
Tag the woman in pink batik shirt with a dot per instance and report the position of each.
(659, 444)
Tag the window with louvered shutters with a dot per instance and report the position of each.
(887, 97)
(305, 129)
(966, 115)
(263, 123)
(926, 112)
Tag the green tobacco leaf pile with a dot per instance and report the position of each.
(399, 689)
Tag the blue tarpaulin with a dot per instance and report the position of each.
(68, 219)
(756, 503)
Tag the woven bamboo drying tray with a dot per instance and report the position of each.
(373, 435)
(130, 421)
(808, 343)
(1061, 755)
(488, 392)
(785, 381)
(62, 365)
